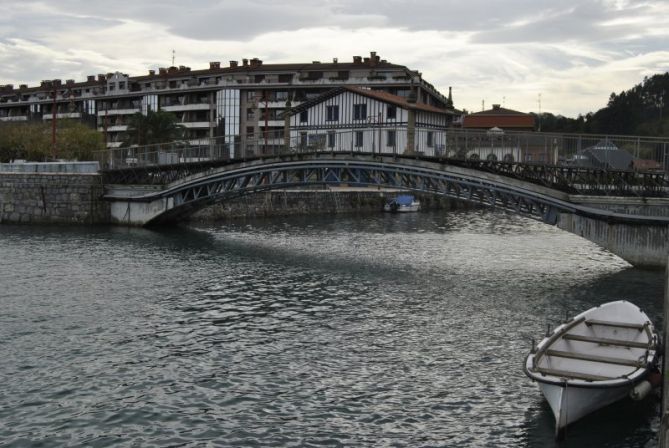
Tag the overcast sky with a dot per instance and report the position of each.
(570, 53)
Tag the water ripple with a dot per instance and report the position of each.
(349, 331)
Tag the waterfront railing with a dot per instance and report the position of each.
(597, 151)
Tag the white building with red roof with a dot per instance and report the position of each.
(363, 120)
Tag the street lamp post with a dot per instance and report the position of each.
(54, 152)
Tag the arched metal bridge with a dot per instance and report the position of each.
(512, 187)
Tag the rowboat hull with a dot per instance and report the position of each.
(570, 404)
(594, 360)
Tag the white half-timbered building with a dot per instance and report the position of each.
(363, 120)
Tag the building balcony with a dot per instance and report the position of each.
(196, 124)
(15, 118)
(271, 123)
(114, 144)
(109, 112)
(49, 116)
(185, 107)
(276, 104)
(114, 128)
(270, 141)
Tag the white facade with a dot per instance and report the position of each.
(367, 122)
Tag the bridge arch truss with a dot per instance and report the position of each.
(186, 196)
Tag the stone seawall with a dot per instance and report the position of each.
(52, 198)
(300, 202)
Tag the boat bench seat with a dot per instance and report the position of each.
(595, 358)
(572, 375)
(605, 341)
(606, 323)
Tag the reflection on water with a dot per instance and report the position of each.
(377, 330)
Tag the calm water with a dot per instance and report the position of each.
(370, 330)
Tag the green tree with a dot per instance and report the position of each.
(153, 128)
(76, 141)
(32, 141)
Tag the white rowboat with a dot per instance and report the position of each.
(596, 359)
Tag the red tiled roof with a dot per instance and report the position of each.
(374, 94)
(499, 117)
(395, 99)
(496, 110)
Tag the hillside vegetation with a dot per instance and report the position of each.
(641, 110)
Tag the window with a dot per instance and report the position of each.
(391, 112)
(358, 139)
(285, 78)
(303, 139)
(430, 139)
(359, 111)
(332, 113)
(304, 116)
(331, 139)
(317, 141)
(391, 138)
(121, 85)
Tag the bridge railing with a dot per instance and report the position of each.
(598, 151)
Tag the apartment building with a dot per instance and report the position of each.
(244, 101)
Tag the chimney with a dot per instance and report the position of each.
(172, 69)
(233, 64)
(162, 71)
(357, 59)
(152, 72)
(495, 107)
(335, 60)
(69, 82)
(245, 62)
(413, 97)
(56, 82)
(214, 65)
(315, 62)
(373, 58)
(90, 78)
(45, 84)
(101, 77)
(23, 86)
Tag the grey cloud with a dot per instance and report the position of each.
(241, 20)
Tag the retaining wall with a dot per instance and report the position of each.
(52, 198)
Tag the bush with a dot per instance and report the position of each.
(32, 141)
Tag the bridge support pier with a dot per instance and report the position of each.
(131, 213)
(638, 244)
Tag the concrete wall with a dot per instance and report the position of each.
(631, 205)
(640, 245)
(52, 198)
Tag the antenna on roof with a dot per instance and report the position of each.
(173, 53)
(539, 99)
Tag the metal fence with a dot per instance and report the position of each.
(644, 153)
